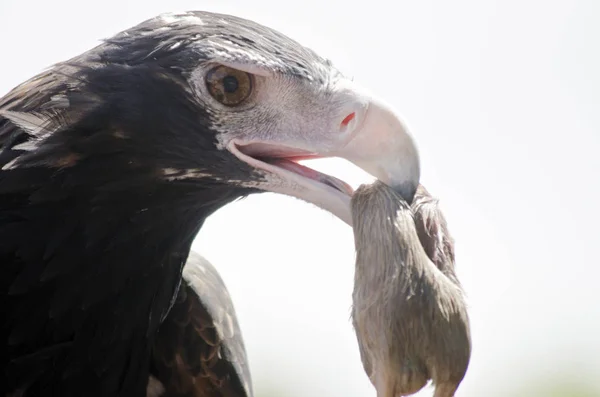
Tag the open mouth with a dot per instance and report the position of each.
(291, 164)
(284, 161)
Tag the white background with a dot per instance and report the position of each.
(502, 98)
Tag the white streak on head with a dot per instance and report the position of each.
(33, 124)
(173, 17)
(38, 126)
(28, 146)
(11, 164)
(58, 101)
(223, 50)
(174, 174)
(175, 46)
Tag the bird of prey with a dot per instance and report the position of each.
(110, 164)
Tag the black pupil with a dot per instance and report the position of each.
(230, 84)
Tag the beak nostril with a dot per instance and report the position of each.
(348, 119)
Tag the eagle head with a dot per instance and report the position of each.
(211, 100)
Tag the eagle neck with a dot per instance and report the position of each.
(99, 268)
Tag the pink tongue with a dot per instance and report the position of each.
(312, 174)
(297, 168)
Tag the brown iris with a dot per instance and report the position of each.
(229, 86)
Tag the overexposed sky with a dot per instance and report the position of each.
(503, 100)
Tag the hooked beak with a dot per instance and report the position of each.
(371, 136)
(383, 147)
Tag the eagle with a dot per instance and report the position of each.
(110, 164)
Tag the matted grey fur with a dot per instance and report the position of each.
(408, 311)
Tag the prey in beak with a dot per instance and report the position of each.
(409, 310)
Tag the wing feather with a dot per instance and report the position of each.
(199, 350)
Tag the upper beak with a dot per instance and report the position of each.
(382, 146)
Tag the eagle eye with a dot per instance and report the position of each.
(229, 86)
